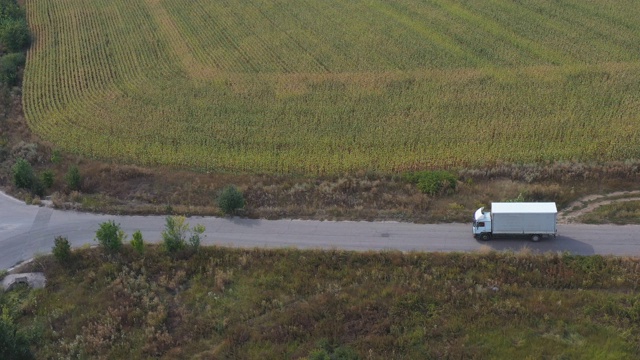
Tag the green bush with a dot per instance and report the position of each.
(37, 187)
(23, 177)
(196, 235)
(62, 249)
(230, 200)
(14, 344)
(326, 351)
(433, 182)
(137, 242)
(14, 34)
(110, 236)
(47, 179)
(73, 177)
(174, 235)
(56, 156)
(9, 9)
(10, 65)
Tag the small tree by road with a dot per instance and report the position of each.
(230, 200)
(61, 249)
(137, 242)
(176, 230)
(110, 236)
(22, 174)
(74, 179)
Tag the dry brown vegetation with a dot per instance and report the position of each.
(220, 303)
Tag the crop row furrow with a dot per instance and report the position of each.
(294, 39)
(333, 86)
(206, 46)
(234, 31)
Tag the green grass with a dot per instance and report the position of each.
(622, 212)
(274, 304)
(329, 87)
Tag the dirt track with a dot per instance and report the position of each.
(589, 203)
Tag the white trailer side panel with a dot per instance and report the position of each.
(523, 218)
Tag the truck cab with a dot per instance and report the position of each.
(482, 224)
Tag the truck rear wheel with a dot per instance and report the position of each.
(536, 238)
(485, 237)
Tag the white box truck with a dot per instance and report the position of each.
(533, 219)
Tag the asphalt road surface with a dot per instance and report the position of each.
(27, 230)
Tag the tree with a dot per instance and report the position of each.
(230, 200)
(47, 179)
(23, 177)
(73, 177)
(13, 343)
(62, 249)
(9, 9)
(137, 242)
(196, 236)
(14, 34)
(10, 65)
(110, 236)
(174, 235)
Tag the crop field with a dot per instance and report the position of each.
(321, 87)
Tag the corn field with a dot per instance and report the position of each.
(322, 87)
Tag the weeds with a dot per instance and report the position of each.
(379, 305)
(623, 212)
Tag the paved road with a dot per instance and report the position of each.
(29, 230)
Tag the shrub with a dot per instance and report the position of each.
(47, 179)
(10, 65)
(14, 34)
(110, 236)
(230, 200)
(9, 9)
(326, 351)
(62, 249)
(432, 182)
(73, 177)
(194, 239)
(23, 177)
(13, 343)
(137, 242)
(56, 157)
(37, 188)
(520, 198)
(175, 234)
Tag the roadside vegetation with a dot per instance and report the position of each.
(622, 212)
(215, 302)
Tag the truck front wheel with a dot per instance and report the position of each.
(535, 238)
(485, 237)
